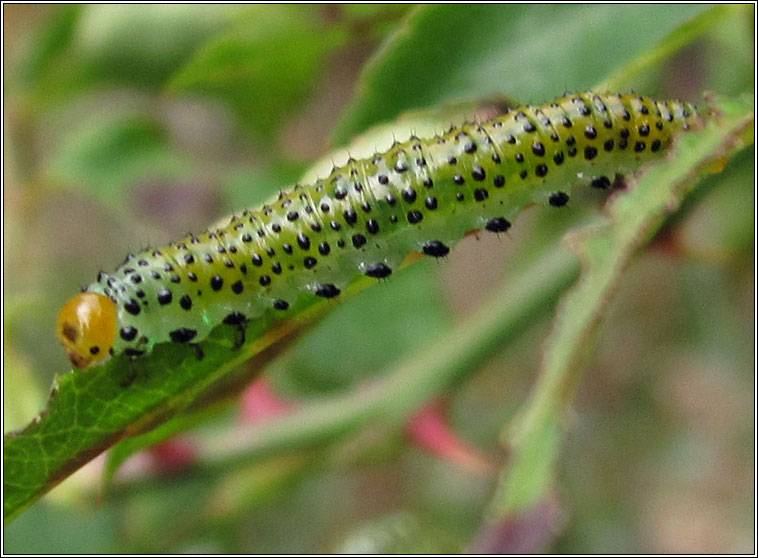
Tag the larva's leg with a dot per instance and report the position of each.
(131, 374)
(198, 350)
(238, 321)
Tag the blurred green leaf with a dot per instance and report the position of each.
(680, 37)
(264, 65)
(606, 251)
(453, 52)
(109, 156)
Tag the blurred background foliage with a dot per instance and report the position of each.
(127, 126)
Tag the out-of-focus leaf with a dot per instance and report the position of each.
(264, 65)
(606, 251)
(452, 52)
(109, 156)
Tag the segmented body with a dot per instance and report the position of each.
(366, 216)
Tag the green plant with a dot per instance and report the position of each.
(113, 148)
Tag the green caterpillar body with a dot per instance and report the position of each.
(368, 215)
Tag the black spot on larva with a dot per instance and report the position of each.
(277, 268)
(378, 271)
(189, 258)
(524, 173)
(470, 147)
(132, 306)
(436, 249)
(287, 247)
(608, 145)
(128, 333)
(601, 182)
(309, 262)
(358, 187)
(510, 139)
(133, 352)
(155, 275)
(350, 216)
(498, 225)
(409, 194)
(571, 140)
(558, 199)
(292, 216)
(431, 203)
(257, 260)
(495, 158)
(280, 304)
(458, 179)
(358, 240)
(644, 130)
(372, 226)
(192, 277)
(164, 296)
(340, 193)
(141, 294)
(323, 248)
(590, 152)
(540, 170)
(325, 207)
(590, 132)
(639, 146)
(247, 238)
(519, 157)
(428, 182)
(243, 269)
(327, 290)
(659, 125)
(499, 181)
(415, 217)
(185, 302)
(235, 318)
(644, 110)
(585, 111)
(478, 173)
(366, 207)
(303, 241)
(341, 243)
(529, 127)
(624, 133)
(276, 227)
(217, 282)
(136, 278)
(608, 124)
(558, 158)
(182, 335)
(655, 146)
(480, 194)
(383, 179)
(400, 167)
(264, 280)
(452, 161)
(625, 115)
(622, 144)
(335, 225)
(538, 149)
(94, 350)
(390, 199)
(421, 162)
(566, 122)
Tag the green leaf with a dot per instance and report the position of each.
(264, 65)
(453, 52)
(606, 250)
(109, 156)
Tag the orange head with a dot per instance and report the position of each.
(87, 328)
